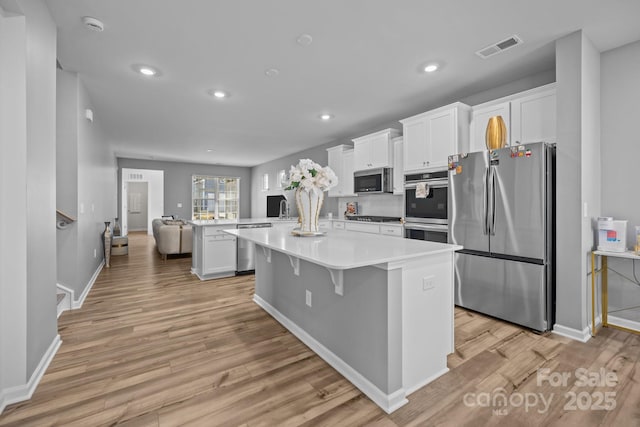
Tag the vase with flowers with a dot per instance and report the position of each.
(310, 181)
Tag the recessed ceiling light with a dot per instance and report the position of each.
(93, 23)
(326, 116)
(146, 70)
(209, 150)
(216, 93)
(304, 40)
(272, 72)
(430, 68)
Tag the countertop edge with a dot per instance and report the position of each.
(452, 248)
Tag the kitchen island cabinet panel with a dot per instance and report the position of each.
(378, 309)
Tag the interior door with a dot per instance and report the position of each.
(468, 200)
(137, 206)
(518, 223)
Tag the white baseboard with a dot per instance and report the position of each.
(77, 304)
(427, 381)
(388, 402)
(66, 303)
(625, 323)
(24, 392)
(574, 334)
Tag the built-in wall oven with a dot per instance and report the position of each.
(425, 206)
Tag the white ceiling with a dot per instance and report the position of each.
(363, 65)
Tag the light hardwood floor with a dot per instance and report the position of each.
(153, 346)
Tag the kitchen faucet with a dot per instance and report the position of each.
(284, 210)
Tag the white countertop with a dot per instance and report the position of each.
(341, 250)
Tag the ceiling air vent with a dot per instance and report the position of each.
(501, 46)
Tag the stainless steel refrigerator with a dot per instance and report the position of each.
(501, 209)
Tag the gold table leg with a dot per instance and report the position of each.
(605, 291)
(593, 294)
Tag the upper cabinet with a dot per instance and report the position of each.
(398, 166)
(340, 159)
(480, 119)
(375, 150)
(429, 138)
(529, 116)
(533, 118)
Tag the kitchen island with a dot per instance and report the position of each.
(378, 309)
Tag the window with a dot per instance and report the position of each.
(215, 197)
(265, 181)
(282, 176)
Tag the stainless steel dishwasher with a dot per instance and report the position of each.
(247, 250)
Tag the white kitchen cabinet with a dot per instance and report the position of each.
(479, 120)
(375, 150)
(398, 168)
(386, 229)
(340, 159)
(391, 230)
(348, 168)
(362, 227)
(214, 251)
(219, 254)
(429, 138)
(533, 118)
(529, 116)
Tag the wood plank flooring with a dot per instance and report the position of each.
(154, 346)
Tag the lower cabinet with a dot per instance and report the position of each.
(219, 254)
(373, 228)
(214, 252)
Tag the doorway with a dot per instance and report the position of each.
(137, 206)
(153, 198)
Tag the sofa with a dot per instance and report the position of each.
(173, 236)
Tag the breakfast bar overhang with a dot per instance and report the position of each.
(378, 309)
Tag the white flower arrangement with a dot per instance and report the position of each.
(310, 176)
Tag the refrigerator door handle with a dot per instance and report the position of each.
(492, 226)
(485, 202)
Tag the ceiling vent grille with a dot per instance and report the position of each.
(501, 46)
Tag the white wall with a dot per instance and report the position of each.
(577, 175)
(67, 176)
(27, 193)
(97, 188)
(620, 80)
(13, 242)
(41, 182)
(86, 185)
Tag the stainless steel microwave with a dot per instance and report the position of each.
(374, 181)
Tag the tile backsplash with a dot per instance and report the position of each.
(375, 204)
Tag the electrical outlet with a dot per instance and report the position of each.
(427, 283)
(93, 207)
(308, 298)
(81, 208)
(179, 205)
(95, 253)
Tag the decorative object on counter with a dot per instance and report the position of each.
(106, 238)
(351, 209)
(496, 136)
(116, 228)
(310, 180)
